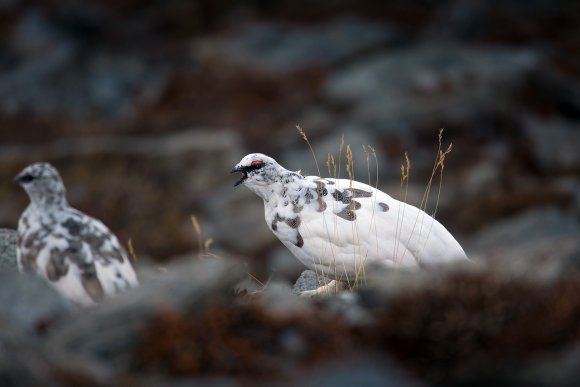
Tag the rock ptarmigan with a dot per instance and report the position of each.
(337, 227)
(75, 253)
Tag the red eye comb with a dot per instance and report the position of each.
(256, 162)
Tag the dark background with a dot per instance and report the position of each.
(145, 106)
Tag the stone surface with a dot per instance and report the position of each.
(30, 302)
(8, 240)
(247, 231)
(364, 371)
(116, 324)
(22, 360)
(308, 280)
(281, 299)
(528, 226)
(555, 144)
(404, 86)
(283, 265)
(281, 48)
(56, 75)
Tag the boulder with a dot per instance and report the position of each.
(8, 240)
(393, 88)
(280, 48)
(554, 144)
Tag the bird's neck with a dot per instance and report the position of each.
(48, 201)
(286, 184)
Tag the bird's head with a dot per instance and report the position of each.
(43, 184)
(258, 172)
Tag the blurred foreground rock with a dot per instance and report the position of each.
(368, 372)
(8, 240)
(31, 303)
(108, 334)
(443, 325)
(21, 361)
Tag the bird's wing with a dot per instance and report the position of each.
(50, 254)
(352, 223)
(98, 255)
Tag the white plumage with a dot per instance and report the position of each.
(75, 253)
(337, 227)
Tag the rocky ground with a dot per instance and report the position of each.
(467, 325)
(145, 109)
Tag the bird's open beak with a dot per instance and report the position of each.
(244, 174)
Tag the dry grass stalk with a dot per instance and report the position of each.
(131, 250)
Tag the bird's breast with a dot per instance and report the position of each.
(285, 223)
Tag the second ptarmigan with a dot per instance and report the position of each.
(337, 227)
(74, 252)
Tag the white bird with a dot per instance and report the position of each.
(75, 253)
(337, 227)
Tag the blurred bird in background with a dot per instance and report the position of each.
(77, 254)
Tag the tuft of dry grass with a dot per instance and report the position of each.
(405, 172)
(359, 253)
(438, 165)
(203, 246)
(303, 134)
(334, 170)
(325, 279)
(131, 251)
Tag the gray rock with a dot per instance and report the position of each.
(23, 362)
(350, 306)
(282, 48)
(177, 144)
(149, 380)
(571, 186)
(53, 74)
(555, 143)
(484, 176)
(30, 302)
(528, 226)
(110, 333)
(388, 281)
(561, 368)
(238, 219)
(542, 243)
(109, 86)
(283, 265)
(546, 258)
(308, 280)
(396, 88)
(366, 371)
(459, 21)
(280, 299)
(8, 240)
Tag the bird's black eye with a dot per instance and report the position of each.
(27, 178)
